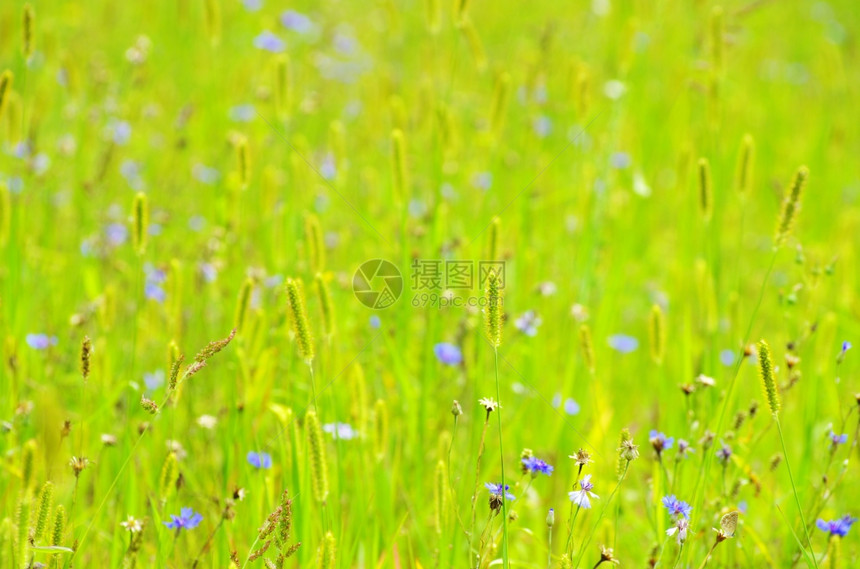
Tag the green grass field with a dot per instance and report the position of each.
(596, 209)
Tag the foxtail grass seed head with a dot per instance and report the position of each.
(765, 364)
(46, 497)
(658, 334)
(493, 239)
(790, 206)
(5, 205)
(461, 8)
(24, 527)
(28, 460)
(59, 526)
(5, 89)
(380, 429)
(587, 347)
(212, 14)
(717, 38)
(440, 489)
(314, 243)
(283, 86)
(500, 102)
(299, 319)
(148, 405)
(86, 352)
(705, 197)
(476, 46)
(746, 162)
(242, 304)
(140, 215)
(319, 466)
(326, 305)
(493, 310)
(29, 23)
(432, 8)
(398, 166)
(243, 164)
(169, 474)
(326, 554)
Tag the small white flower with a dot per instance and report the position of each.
(132, 525)
(207, 421)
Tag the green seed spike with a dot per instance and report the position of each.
(440, 489)
(493, 310)
(242, 304)
(167, 480)
(28, 459)
(380, 429)
(5, 213)
(86, 352)
(500, 101)
(299, 319)
(705, 200)
(765, 364)
(46, 496)
(283, 86)
(475, 44)
(587, 347)
(717, 38)
(5, 89)
(140, 215)
(212, 10)
(59, 526)
(314, 243)
(243, 165)
(326, 554)
(24, 529)
(790, 206)
(29, 21)
(398, 165)
(326, 306)
(493, 239)
(432, 7)
(657, 334)
(746, 161)
(319, 467)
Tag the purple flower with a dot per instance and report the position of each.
(328, 169)
(119, 131)
(660, 442)
(836, 440)
(448, 354)
(187, 519)
(242, 113)
(116, 233)
(846, 345)
(209, 272)
(153, 380)
(681, 526)
(838, 527)
(41, 341)
(259, 459)
(581, 497)
(727, 357)
(496, 490)
(542, 126)
(620, 160)
(269, 42)
(252, 5)
(724, 453)
(297, 22)
(623, 343)
(684, 448)
(482, 180)
(375, 322)
(571, 407)
(537, 466)
(528, 323)
(677, 507)
(204, 174)
(154, 292)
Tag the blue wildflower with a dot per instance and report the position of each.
(187, 519)
(41, 341)
(268, 41)
(154, 292)
(838, 527)
(571, 407)
(542, 126)
(581, 497)
(623, 343)
(677, 507)
(375, 322)
(620, 160)
(153, 380)
(496, 490)
(116, 233)
(724, 453)
(528, 323)
(836, 440)
(660, 442)
(340, 431)
(448, 354)
(846, 345)
(482, 180)
(727, 357)
(296, 22)
(684, 448)
(536, 466)
(242, 113)
(259, 459)
(252, 5)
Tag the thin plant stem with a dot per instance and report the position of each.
(794, 490)
(602, 513)
(502, 462)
